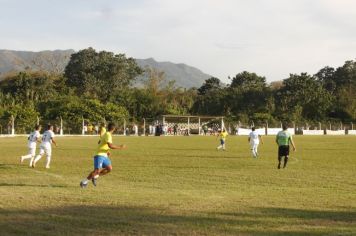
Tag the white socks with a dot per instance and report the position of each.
(26, 157)
(38, 157)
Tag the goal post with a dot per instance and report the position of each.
(189, 124)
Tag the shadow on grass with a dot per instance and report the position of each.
(33, 185)
(8, 166)
(116, 220)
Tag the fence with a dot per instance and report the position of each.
(180, 125)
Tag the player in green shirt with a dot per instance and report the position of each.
(283, 139)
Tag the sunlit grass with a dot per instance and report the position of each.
(182, 185)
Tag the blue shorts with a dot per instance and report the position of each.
(222, 141)
(101, 162)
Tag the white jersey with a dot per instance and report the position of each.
(254, 137)
(47, 138)
(32, 139)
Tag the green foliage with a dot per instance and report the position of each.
(210, 84)
(33, 86)
(98, 86)
(247, 81)
(25, 116)
(302, 97)
(98, 74)
(75, 109)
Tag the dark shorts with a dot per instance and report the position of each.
(283, 151)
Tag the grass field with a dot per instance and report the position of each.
(181, 186)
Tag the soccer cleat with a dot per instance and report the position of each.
(94, 181)
(279, 166)
(83, 184)
(33, 165)
(21, 159)
(47, 167)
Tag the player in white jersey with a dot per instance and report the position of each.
(254, 139)
(46, 146)
(32, 141)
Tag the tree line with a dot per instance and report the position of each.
(103, 85)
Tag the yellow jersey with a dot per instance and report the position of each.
(103, 146)
(223, 135)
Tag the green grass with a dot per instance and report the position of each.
(181, 186)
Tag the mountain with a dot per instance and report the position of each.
(52, 61)
(55, 61)
(185, 76)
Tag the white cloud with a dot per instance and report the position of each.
(222, 38)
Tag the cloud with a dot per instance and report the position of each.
(271, 38)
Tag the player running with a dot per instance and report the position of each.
(222, 135)
(102, 163)
(46, 146)
(283, 139)
(254, 140)
(33, 138)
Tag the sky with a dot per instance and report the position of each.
(272, 38)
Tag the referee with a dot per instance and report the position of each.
(283, 139)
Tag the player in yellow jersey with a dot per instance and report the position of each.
(102, 163)
(222, 135)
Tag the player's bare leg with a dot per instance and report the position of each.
(93, 174)
(105, 171)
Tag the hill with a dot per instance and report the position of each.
(55, 61)
(184, 75)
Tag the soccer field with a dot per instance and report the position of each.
(181, 186)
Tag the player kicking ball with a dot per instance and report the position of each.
(102, 163)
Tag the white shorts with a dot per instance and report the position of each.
(254, 145)
(45, 149)
(32, 151)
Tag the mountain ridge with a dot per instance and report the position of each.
(55, 61)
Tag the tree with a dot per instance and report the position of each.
(304, 95)
(25, 116)
(248, 81)
(210, 84)
(346, 75)
(32, 86)
(249, 94)
(97, 74)
(326, 76)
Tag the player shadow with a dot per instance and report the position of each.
(121, 220)
(33, 185)
(7, 166)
